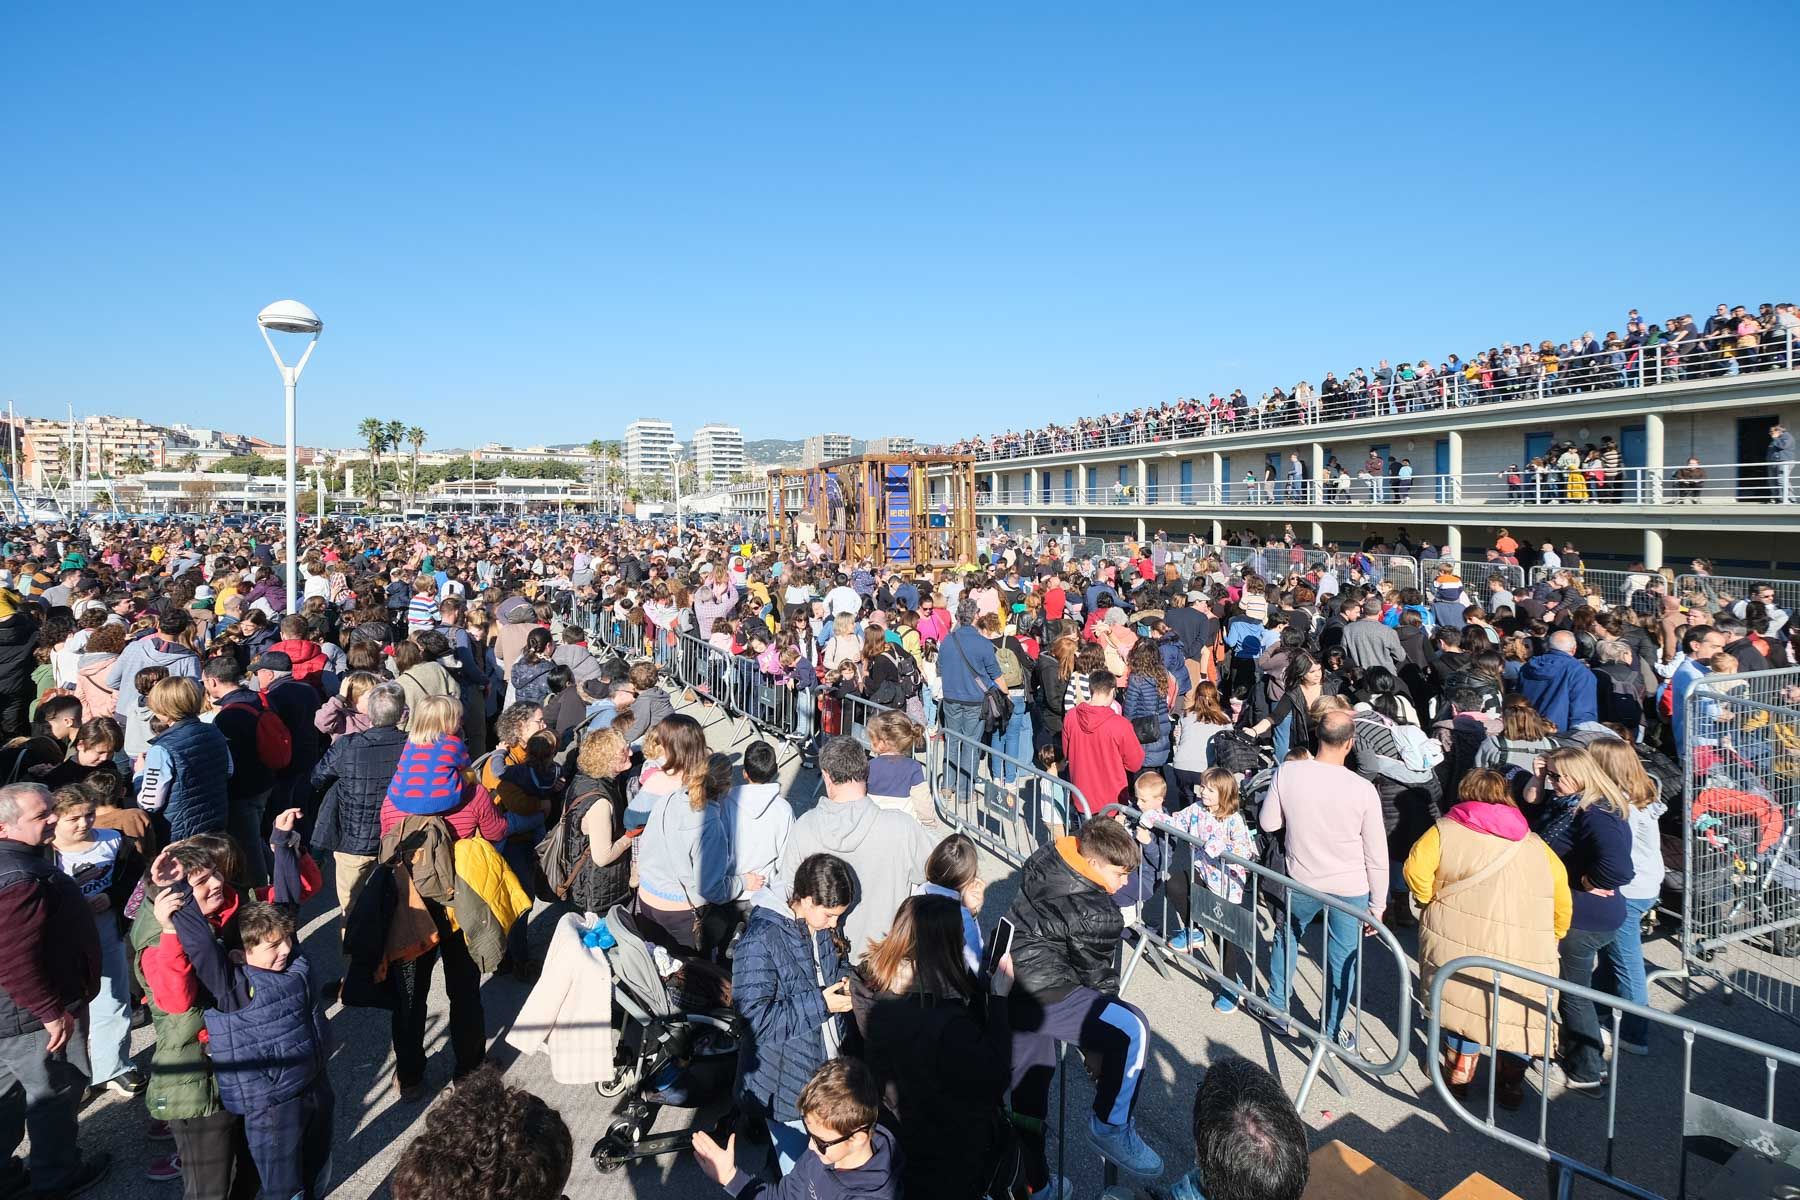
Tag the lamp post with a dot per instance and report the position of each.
(675, 470)
(290, 316)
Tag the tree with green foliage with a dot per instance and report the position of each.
(188, 462)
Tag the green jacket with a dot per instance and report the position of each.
(181, 1079)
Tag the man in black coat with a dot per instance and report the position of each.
(354, 775)
(49, 971)
(18, 659)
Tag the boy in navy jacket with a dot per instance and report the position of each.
(849, 1156)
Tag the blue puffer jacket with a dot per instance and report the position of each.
(200, 765)
(774, 984)
(356, 772)
(1144, 700)
(272, 1049)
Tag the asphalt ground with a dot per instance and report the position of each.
(1398, 1119)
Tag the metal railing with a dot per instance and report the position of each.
(1279, 562)
(1702, 1116)
(1740, 902)
(1714, 592)
(1247, 935)
(1459, 385)
(967, 778)
(1475, 573)
(1521, 485)
(1616, 588)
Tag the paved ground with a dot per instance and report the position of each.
(1398, 1120)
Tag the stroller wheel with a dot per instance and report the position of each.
(623, 1080)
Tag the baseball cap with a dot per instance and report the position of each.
(272, 660)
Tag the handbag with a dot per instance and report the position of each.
(996, 706)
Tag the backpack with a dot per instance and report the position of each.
(556, 868)
(1233, 750)
(1012, 671)
(912, 681)
(274, 744)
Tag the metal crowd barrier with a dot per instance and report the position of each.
(1741, 863)
(1713, 592)
(965, 776)
(1475, 574)
(1702, 1116)
(854, 715)
(1244, 938)
(1615, 587)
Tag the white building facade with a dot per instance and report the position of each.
(649, 447)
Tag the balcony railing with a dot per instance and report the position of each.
(1609, 370)
(1699, 484)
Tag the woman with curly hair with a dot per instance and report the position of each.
(487, 1141)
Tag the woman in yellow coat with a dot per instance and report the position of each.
(1487, 885)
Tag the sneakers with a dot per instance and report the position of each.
(159, 1131)
(164, 1168)
(92, 1170)
(1641, 1049)
(1346, 1040)
(1224, 1002)
(129, 1083)
(1182, 941)
(1560, 1076)
(1057, 1188)
(1121, 1146)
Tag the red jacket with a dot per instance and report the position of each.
(1101, 748)
(308, 659)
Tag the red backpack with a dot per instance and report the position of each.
(274, 744)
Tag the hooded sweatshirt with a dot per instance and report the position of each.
(684, 856)
(885, 847)
(1101, 747)
(308, 660)
(150, 651)
(811, 1179)
(758, 819)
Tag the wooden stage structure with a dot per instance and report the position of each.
(879, 508)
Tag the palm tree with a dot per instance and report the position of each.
(133, 464)
(415, 436)
(595, 449)
(374, 435)
(188, 462)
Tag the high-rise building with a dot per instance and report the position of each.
(649, 447)
(891, 445)
(823, 447)
(718, 453)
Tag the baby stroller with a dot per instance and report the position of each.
(677, 1043)
(1746, 873)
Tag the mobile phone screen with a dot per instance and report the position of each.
(998, 947)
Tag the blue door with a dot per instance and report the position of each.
(1187, 481)
(1633, 451)
(1149, 496)
(1442, 471)
(1068, 485)
(1224, 479)
(1536, 446)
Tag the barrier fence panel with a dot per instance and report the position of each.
(1701, 1116)
(1401, 570)
(1615, 587)
(1243, 941)
(1741, 866)
(1475, 573)
(1081, 547)
(1004, 804)
(855, 713)
(1713, 592)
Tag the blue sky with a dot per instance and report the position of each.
(537, 224)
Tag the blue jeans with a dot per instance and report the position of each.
(1621, 971)
(521, 856)
(963, 755)
(1582, 1055)
(1343, 935)
(1015, 743)
(929, 701)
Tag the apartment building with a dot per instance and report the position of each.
(823, 447)
(891, 445)
(649, 447)
(718, 454)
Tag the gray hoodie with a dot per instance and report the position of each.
(758, 819)
(151, 650)
(685, 856)
(886, 850)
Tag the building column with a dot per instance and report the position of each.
(1318, 533)
(1081, 490)
(1653, 472)
(1031, 525)
(1653, 549)
(1316, 482)
(1143, 488)
(1452, 542)
(1081, 526)
(1218, 528)
(1456, 470)
(994, 485)
(1142, 533)
(1218, 488)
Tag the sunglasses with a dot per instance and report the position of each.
(822, 1145)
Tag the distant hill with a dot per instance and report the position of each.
(785, 452)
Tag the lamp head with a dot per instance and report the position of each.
(289, 316)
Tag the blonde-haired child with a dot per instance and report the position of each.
(1216, 828)
(434, 765)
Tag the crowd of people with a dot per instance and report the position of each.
(1733, 339)
(195, 761)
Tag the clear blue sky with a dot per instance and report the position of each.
(532, 225)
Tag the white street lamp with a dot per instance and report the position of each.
(291, 316)
(675, 469)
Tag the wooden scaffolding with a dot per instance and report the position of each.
(889, 510)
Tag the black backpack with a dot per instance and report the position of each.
(1233, 750)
